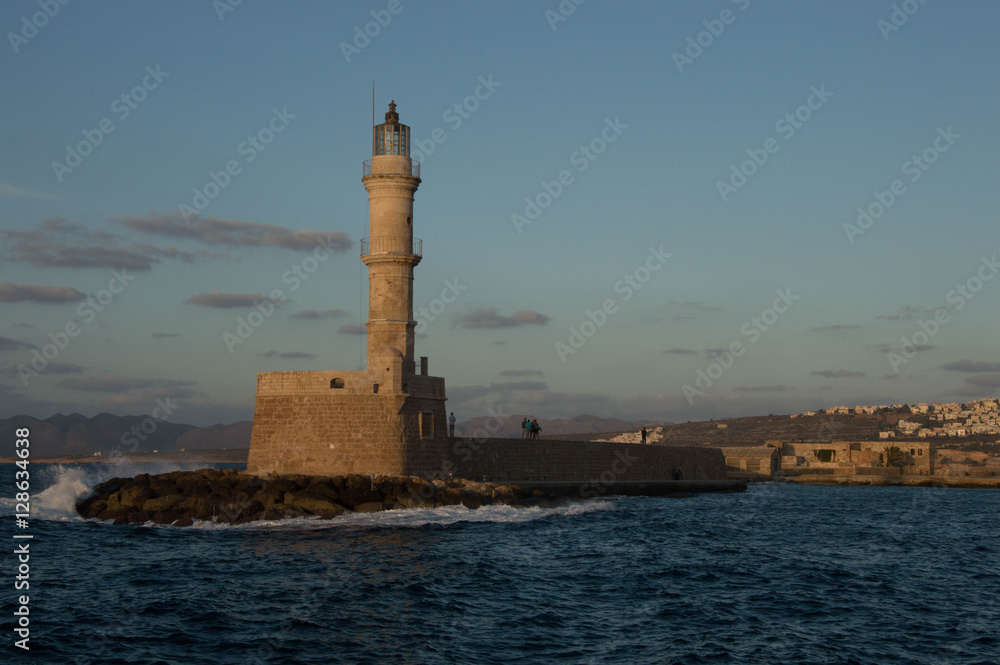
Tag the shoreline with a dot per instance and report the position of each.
(962, 482)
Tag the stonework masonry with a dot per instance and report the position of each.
(513, 460)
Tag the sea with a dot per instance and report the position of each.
(779, 574)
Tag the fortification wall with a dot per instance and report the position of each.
(326, 431)
(512, 460)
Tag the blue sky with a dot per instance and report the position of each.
(651, 112)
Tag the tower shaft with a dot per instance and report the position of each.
(391, 252)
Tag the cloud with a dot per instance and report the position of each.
(991, 380)
(465, 393)
(836, 373)
(835, 328)
(10, 292)
(522, 372)
(907, 313)
(115, 384)
(714, 353)
(288, 355)
(680, 352)
(8, 344)
(491, 318)
(159, 335)
(312, 314)
(215, 231)
(7, 189)
(971, 366)
(353, 329)
(51, 368)
(225, 300)
(760, 389)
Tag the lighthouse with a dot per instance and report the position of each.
(390, 251)
(388, 418)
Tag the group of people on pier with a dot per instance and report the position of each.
(530, 429)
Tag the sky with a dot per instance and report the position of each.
(645, 210)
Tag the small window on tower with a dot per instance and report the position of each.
(409, 221)
(336, 383)
(426, 425)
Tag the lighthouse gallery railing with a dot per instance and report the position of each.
(391, 245)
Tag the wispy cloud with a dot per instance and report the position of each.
(7, 189)
(522, 372)
(225, 300)
(491, 318)
(8, 344)
(353, 329)
(837, 373)
(115, 384)
(288, 355)
(235, 233)
(835, 328)
(760, 389)
(678, 351)
(907, 313)
(10, 292)
(972, 366)
(312, 314)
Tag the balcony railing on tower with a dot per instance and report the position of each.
(393, 167)
(391, 245)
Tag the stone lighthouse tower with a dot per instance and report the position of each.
(388, 418)
(391, 252)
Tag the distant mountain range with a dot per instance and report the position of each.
(106, 433)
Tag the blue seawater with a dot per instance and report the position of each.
(779, 574)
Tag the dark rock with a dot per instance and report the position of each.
(234, 497)
(370, 507)
(357, 490)
(314, 503)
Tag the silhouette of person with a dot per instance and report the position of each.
(644, 435)
(451, 425)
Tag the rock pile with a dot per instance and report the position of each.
(234, 497)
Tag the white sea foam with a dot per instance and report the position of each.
(418, 517)
(56, 488)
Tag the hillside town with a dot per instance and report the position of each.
(940, 419)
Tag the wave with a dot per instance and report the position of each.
(418, 517)
(65, 484)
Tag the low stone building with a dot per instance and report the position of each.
(755, 462)
(849, 456)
